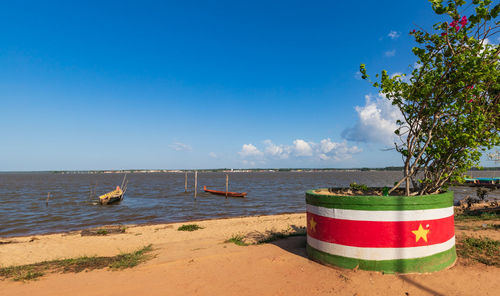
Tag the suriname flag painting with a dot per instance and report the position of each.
(382, 233)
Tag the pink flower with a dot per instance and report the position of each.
(457, 28)
(469, 101)
(444, 34)
(470, 86)
(453, 24)
(463, 22)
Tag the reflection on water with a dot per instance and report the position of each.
(160, 197)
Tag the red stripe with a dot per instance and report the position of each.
(377, 234)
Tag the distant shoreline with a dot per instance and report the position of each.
(224, 170)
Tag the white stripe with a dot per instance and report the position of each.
(386, 216)
(380, 253)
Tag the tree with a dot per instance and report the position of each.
(450, 102)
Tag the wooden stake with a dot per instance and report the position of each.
(123, 181)
(227, 183)
(195, 183)
(186, 182)
(47, 200)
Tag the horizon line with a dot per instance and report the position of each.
(226, 169)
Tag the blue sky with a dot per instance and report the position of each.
(199, 84)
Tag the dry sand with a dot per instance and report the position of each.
(200, 263)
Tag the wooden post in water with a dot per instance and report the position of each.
(195, 183)
(47, 200)
(227, 183)
(186, 182)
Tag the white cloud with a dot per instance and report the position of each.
(276, 151)
(358, 75)
(178, 146)
(212, 155)
(249, 150)
(302, 148)
(336, 151)
(390, 53)
(394, 35)
(376, 121)
(325, 150)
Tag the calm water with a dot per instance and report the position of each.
(160, 197)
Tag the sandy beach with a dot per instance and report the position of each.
(201, 263)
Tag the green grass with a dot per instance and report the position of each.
(101, 232)
(105, 230)
(36, 270)
(274, 236)
(237, 239)
(21, 273)
(189, 227)
(129, 260)
(355, 186)
(477, 216)
(483, 249)
(266, 237)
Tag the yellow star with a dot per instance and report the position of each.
(312, 224)
(420, 233)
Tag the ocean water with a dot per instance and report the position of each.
(160, 197)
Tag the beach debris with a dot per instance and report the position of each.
(481, 193)
(475, 205)
(104, 230)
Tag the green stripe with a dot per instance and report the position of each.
(381, 203)
(431, 263)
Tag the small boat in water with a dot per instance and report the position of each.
(112, 196)
(115, 195)
(225, 193)
(484, 182)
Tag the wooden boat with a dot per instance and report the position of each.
(484, 182)
(115, 195)
(112, 196)
(225, 193)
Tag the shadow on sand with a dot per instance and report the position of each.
(297, 246)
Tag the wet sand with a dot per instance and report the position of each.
(200, 263)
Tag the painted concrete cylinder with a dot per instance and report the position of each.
(382, 233)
